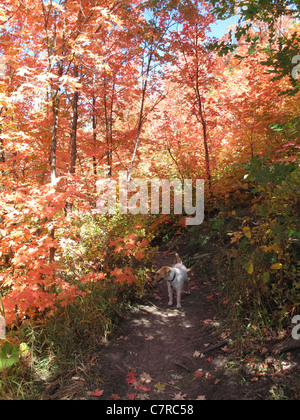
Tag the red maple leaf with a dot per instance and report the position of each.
(198, 373)
(131, 378)
(96, 393)
(142, 389)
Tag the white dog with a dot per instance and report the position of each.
(176, 277)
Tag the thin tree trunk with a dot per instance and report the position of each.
(73, 136)
(2, 154)
(200, 115)
(74, 127)
(55, 93)
(202, 120)
(54, 141)
(107, 130)
(94, 133)
(141, 116)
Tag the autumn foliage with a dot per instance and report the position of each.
(89, 88)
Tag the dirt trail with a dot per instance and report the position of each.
(163, 353)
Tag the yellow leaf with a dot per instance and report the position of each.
(247, 232)
(236, 236)
(160, 386)
(276, 266)
(24, 349)
(249, 268)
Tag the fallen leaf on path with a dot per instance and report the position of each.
(149, 337)
(250, 360)
(178, 396)
(145, 377)
(115, 397)
(201, 355)
(131, 396)
(142, 389)
(160, 386)
(142, 397)
(201, 398)
(122, 338)
(96, 393)
(198, 373)
(131, 378)
(209, 359)
(176, 377)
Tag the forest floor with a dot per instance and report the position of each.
(164, 353)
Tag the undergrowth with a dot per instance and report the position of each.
(107, 264)
(252, 253)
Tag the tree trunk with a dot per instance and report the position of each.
(74, 127)
(94, 134)
(55, 107)
(2, 155)
(141, 116)
(202, 120)
(108, 146)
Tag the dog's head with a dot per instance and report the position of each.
(162, 274)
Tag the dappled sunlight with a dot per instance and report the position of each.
(151, 316)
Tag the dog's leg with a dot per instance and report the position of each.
(188, 286)
(170, 292)
(179, 297)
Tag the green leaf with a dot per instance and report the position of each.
(9, 355)
(266, 277)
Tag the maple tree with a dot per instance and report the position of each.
(281, 45)
(89, 88)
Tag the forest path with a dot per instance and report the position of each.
(163, 353)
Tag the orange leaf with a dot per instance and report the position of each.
(96, 393)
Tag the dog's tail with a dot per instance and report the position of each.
(178, 259)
